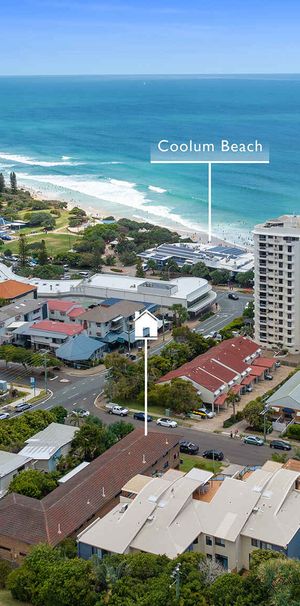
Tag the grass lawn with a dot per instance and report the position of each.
(157, 411)
(190, 461)
(61, 221)
(56, 243)
(7, 600)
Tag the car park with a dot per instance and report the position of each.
(4, 415)
(140, 416)
(280, 445)
(165, 422)
(253, 440)
(233, 296)
(188, 447)
(215, 455)
(22, 407)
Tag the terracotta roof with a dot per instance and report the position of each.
(235, 389)
(247, 380)
(292, 464)
(60, 305)
(11, 289)
(220, 400)
(71, 505)
(75, 312)
(60, 327)
(106, 314)
(265, 362)
(217, 366)
(256, 371)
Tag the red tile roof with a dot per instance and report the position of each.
(220, 400)
(13, 289)
(60, 305)
(247, 380)
(71, 505)
(265, 362)
(256, 371)
(217, 366)
(61, 327)
(235, 389)
(76, 311)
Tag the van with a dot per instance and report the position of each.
(84, 274)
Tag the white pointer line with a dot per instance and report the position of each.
(209, 161)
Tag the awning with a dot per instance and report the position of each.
(220, 400)
(235, 389)
(257, 371)
(264, 362)
(247, 380)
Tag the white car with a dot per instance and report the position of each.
(165, 422)
(4, 415)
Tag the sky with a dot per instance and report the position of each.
(57, 37)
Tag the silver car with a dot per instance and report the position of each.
(165, 422)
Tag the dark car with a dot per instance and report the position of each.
(233, 296)
(280, 445)
(21, 407)
(140, 416)
(216, 455)
(188, 447)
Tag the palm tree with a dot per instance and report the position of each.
(232, 399)
(180, 314)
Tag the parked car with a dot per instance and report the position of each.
(4, 415)
(188, 447)
(115, 409)
(253, 440)
(132, 357)
(249, 388)
(140, 416)
(21, 407)
(280, 445)
(233, 296)
(81, 412)
(269, 377)
(277, 364)
(204, 413)
(216, 455)
(165, 422)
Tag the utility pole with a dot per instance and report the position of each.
(46, 372)
(163, 326)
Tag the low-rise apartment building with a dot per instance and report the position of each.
(14, 315)
(10, 465)
(224, 519)
(231, 366)
(61, 310)
(112, 322)
(48, 445)
(90, 494)
(46, 334)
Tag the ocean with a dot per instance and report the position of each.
(88, 139)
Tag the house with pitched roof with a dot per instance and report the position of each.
(90, 494)
(12, 290)
(232, 365)
(61, 310)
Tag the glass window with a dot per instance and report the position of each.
(220, 542)
(208, 540)
(254, 543)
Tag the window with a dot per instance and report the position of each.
(219, 542)
(195, 541)
(208, 540)
(254, 543)
(223, 560)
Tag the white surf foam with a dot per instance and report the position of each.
(32, 162)
(115, 191)
(158, 190)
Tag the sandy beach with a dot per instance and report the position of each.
(99, 214)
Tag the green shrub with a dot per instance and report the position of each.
(293, 431)
(233, 419)
(5, 569)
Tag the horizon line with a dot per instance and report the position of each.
(159, 75)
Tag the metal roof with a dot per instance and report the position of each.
(79, 347)
(10, 462)
(44, 444)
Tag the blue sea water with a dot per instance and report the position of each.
(87, 139)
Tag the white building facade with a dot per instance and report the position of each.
(277, 283)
